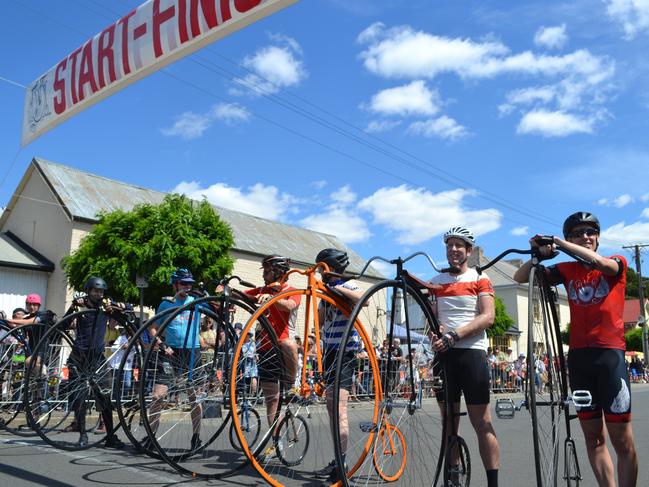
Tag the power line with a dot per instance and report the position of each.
(429, 168)
(11, 82)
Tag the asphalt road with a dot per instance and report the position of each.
(28, 462)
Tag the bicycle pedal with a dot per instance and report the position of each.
(368, 427)
(582, 398)
(505, 408)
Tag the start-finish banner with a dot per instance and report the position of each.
(155, 34)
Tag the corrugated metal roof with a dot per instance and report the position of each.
(84, 195)
(16, 253)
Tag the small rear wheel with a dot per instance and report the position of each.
(292, 440)
(389, 453)
(457, 463)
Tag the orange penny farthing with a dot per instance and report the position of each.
(297, 441)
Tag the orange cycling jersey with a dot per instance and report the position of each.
(281, 321)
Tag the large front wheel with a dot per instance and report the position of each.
(284, 456)
(386, 312)
(543, 382)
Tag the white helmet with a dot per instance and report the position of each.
(460, 232)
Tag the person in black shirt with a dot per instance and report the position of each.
(88, 355)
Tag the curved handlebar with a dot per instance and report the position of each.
(401, 261)
(542, 240)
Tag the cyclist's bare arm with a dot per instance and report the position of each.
(353, 295)
(603, 264)
(607, 266)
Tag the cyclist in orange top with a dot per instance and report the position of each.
(596, 356)
(282, 317)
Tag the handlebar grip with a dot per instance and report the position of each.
(544, 239)
(246, 284)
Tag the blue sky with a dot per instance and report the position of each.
(381, 122)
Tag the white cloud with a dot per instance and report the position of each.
(272, 68)
(258, 200)
(402, 52)
(621, 234)
(344, 195)
(411, 99)
(644, 198)
(553, 124)
(622, 200)
(632, 14)
(341, 222)
(443, 127)
(379, 126)
(602, 201)
(190, 125)
(580, 81)
(519, 231)
(551, 37)
(230, 113)
(371, 33)
(417, 215)
(645, 213)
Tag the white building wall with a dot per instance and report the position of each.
(38, 220)
(16, 284)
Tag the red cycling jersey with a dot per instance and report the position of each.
(283, 322)
(596, 304)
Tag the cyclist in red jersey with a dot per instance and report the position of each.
(282, 317)
(596, 356)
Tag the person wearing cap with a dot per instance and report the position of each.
(465, 309)
(597, 345)
(179, 350)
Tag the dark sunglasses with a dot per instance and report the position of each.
(589, 232)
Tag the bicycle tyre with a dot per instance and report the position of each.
(572, 475)
(190, 380)
(380, 450)
(250, 426)
(420, 420)
(15, 351)
(462, 473)
(544, 391)
(293, 431)
(310, 403)
(61, 381)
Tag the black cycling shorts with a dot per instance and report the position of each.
(346, 373)
(269, 366)
(602, 372)
(466, 372)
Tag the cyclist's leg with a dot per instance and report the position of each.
(591, 421)
(474, 380)
(615, 390)
(289, 354)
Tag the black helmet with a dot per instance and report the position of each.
(579, 218)
(95, 283)
(276, 263)
(337, 260)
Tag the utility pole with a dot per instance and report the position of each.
(642, 319)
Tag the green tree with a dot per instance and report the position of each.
(631, 290)
(152, 241)
(634, 339)
(502, 320)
